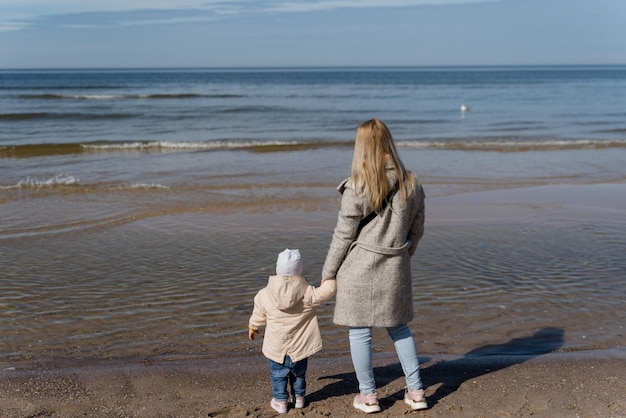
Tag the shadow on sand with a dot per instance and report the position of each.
(451, 374)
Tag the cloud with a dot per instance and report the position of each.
(125, 18)
(309, 5)
(8, 26)
(79, 14)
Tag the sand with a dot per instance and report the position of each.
(555, 384)
(590, 384)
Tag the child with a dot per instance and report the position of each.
(286, 306)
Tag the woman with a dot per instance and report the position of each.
(379, 225)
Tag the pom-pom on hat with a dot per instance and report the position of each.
(289, 263)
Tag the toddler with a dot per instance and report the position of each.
(286, 307)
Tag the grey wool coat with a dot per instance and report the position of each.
(373, 270)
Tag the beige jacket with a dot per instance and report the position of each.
(286, 307)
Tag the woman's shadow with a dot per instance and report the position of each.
(451, 374)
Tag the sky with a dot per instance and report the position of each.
(309, 33)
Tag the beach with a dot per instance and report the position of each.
(143, 209)
(552, 386)
(538, 367)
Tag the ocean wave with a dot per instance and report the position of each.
(135, 186)
(23, 116)
(252, 109)
(159, 96)
(514, 146)
(612, 131)
(205, 145)
(16, 117)
(452, 144)
(70, 96)
(156, 145)
(34, 183)
(64, 180)
(41, 150)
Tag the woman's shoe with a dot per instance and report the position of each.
(415, 399)
(299, 402)
(367, 403)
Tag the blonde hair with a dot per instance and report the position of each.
(372, 148)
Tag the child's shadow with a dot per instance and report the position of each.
(452, 373)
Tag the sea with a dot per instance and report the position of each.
(142, 209)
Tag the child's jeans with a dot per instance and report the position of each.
(289, 371)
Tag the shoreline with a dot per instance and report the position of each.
(496, 381)
(585, 384)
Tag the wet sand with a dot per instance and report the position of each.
(553, 385)
(489, 381)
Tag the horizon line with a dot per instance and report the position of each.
(304, 67)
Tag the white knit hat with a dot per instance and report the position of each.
(289, 263)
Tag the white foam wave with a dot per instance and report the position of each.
(114, 96)
(513, 145)
(207, 145)
(67, 180)
(141, 186)
(478, 144)
(58, 180)
(95, 96)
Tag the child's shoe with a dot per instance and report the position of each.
(299, 402)
(279, 406)
(415, 399)
(367, 403)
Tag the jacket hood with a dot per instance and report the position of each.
(286, 291)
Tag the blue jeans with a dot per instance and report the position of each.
(288, 372)
(361, 351)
